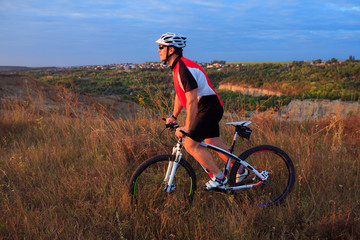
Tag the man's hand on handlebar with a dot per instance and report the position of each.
(181, 132)
(170, 124)
(170, 120)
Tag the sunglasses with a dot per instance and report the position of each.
(162, 46)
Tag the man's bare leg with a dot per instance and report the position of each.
(201, 155)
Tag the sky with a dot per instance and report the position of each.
(64, 33)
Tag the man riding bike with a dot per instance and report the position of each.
(204, 108)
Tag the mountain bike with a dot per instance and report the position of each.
(170, 179)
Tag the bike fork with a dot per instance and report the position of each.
(170, 172)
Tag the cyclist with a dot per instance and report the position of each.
(204, 108)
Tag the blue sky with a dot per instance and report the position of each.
(74, 33)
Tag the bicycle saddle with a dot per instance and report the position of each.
(242, 123)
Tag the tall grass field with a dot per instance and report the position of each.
(64, 174)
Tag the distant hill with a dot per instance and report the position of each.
(15, 69)
(263, 62)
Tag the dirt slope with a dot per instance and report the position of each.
(23, 90)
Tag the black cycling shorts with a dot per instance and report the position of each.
(206, 124)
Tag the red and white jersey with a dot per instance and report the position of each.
(188, 75)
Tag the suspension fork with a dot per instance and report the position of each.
(170, 172)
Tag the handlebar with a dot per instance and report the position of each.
(174, 126)
(171, 125)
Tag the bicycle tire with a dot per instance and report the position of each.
(281, 175)
(146, 184)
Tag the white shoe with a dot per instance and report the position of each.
(242, 176)
(216, 183)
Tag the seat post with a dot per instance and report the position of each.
(233, 143)
(231, 151)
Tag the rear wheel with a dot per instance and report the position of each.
(147, 186)
(281, 175)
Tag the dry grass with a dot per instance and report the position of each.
(66, 177)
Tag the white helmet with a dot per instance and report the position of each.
(172, 39)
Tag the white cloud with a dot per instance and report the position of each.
(350, 9)
(343, 7)
(213, 4)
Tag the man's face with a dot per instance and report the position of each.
(162, 52)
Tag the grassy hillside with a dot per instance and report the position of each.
(65, 176)
(298, 80)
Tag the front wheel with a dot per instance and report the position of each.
(147, 186)
(281, 175)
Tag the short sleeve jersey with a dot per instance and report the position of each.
(188, 75)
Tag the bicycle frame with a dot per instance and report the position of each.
(263, 175)
(170, 173)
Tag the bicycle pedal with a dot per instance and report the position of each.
(213, 189)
